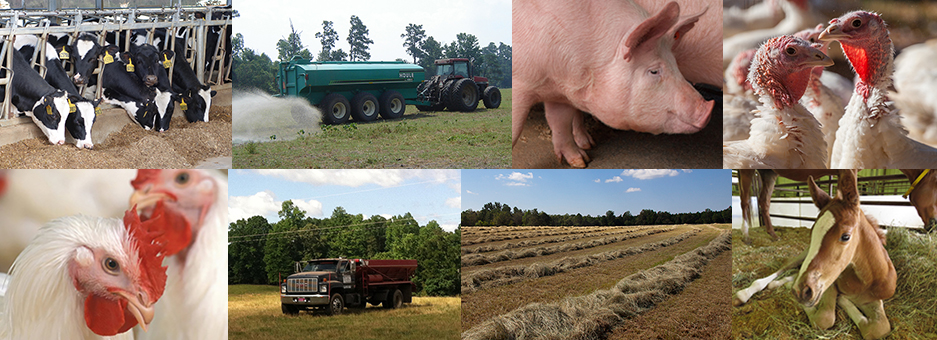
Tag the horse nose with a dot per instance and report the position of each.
(806, 294)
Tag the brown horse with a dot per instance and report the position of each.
(768, 179)
(846, 263)
(924, 196)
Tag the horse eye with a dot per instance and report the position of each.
(111, 265)
(856, 23)
(790, 51)
(845, 237)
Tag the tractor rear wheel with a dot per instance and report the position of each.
(463, 96)
(364, 107)
(392, 105)
(492, 97)
(335, 109)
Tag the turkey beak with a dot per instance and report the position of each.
(139, 307)
(819, 59)
(834, 32)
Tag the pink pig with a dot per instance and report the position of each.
(608, 58)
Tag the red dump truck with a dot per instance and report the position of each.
(331, 284)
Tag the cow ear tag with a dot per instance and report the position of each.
(183, 106)
(71, 107)
(129, 65)
(167, 63)
(64, 54)
(97, 111)
(49, 110)
(108, 58)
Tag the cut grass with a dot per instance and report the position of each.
(438, 140)
(490, 247)
(254, 313)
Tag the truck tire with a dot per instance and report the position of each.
(394, 300)
(289, 309)
(492, 97)
(463, 96)
(336, 304)
(392, 105)
(364, 107)
(335, 109)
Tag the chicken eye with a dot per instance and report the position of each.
(845, 237)
(182, 178)
(790, 51)
(856, 23)
(111, 266)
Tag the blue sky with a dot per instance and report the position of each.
(593, 192)
(426, 194)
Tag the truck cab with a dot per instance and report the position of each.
(330, 284)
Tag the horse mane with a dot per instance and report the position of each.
(878, 229)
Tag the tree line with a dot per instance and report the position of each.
(260, 252)
(252, 70)
(498, 214)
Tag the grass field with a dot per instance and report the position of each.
(254, 313)
(456, 140)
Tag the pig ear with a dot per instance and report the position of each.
(685, 25)
(651, 29)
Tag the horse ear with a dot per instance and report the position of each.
(848, 187)
(820, 197)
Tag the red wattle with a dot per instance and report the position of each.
(178, 231)
(107, 317)
(859, 58)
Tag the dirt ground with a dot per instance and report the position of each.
(184, 145)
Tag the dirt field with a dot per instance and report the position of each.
(184, 145)
(775, 314)
(523, 298)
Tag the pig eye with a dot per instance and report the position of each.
(790, 51)
(856, 23)
(654, 72)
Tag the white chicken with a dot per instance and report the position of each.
(30, 198)
(870, 134)
(822, 102)
(916, 83)
(195, 305)
(85, 278)
(785, 135)
(798, 15)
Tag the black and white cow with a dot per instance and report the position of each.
(80, 121)
(125, 89)
(31, 94)
(84, 54)
(194, 97)
(148, 66)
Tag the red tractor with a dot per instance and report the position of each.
(457, 88)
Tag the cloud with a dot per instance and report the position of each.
(470, 192)
(265, 203)
(644, 174)
(633, 189)
(359, 177)
(615, 179)
(516, 184)
(687, 170)
(455, 202)
(516, 179)
(598, 180)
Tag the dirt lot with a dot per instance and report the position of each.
(184, 145)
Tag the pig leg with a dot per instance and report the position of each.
(580, 134)
(520, 108)
(560, 117)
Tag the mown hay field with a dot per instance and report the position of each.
(775, 314)
(254, 313)
(603, 291)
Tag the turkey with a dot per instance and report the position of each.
(822, 102)
(739, 99)
(798, 15)
(195, 305)
(85, 277)
(916, 83)
(870, 134)
(761, 15)
(784, 135)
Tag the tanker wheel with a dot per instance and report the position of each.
(492, 97)
(394, 300)
(289, 309)
(336, 304)
(392, 105)
(335, 109)
(463, 96)
(364, 107)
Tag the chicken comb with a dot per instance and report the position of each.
(150, 248)
(144, 176)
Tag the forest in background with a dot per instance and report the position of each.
(498, 214)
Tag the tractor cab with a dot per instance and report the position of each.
(454, 68)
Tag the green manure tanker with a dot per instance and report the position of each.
(359, 89)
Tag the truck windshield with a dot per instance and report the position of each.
(443, 70)
(320, 267)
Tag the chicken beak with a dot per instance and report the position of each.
(834, 32)
(139, 307)
(147, 199)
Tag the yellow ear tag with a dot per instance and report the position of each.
(167, 63)
(183, 106)
(49, 110)
(97, 111)
(129, 65)
(108, 58)
(71, 107)
(64, 54)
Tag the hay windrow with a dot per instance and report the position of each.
(500, 276)
(526, 234)
(508, 255)
(592, 316)
(561, 239)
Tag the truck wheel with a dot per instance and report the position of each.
(364, 107)
(394, 300)
(289, 309)
(335, 109)
(492, 97)
(392, 105)
(463, 96)
(336, 304)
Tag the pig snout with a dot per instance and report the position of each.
(692, 113)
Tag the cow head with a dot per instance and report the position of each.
(80, 121)
(49, 113)
(84, 54)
